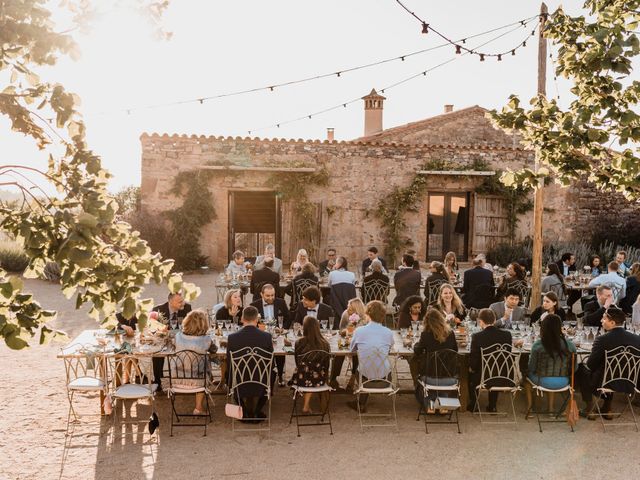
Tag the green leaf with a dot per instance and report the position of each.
(128, 307)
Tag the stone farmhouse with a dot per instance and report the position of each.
(246, 177)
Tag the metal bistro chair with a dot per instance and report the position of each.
(86, 372)
(298, 287)
(313, 359)
(189, 374)
(251, 366)
(499, 373)
(621, 372)
(132, 379)
(561, 366)
(434, 291)
(381, 379)
(440, 375)
(376, 289)
(616, 290)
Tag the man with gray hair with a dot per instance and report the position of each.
(269, 252)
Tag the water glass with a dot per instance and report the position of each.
(323, 324)
(280, 321)
(331, 320)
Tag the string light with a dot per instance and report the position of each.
(427, 26)
(458, 49)
(338, 74)
(382, 90)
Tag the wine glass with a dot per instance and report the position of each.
(331, 319)
(323, 325)
(173, 322)
(280, 321)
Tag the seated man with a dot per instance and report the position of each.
(251, 396)
(310, 305)
(612, 279)
(567, 263)
(594, 310)
(269, 252)
(262, 277)
(372, 254)
(326, 266)
(589, 376)
(621, 260)
(368, 338)
(406, 280)
(508, 311)
(301, 281)
(269, 306)
(343, 287)
(477, 285)
(172, 312)
(489, 335)
(375, 277)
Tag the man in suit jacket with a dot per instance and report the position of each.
(567, 263)
(174, 308)
(269, 252)
(489, 335)
(262, 277)
(269, 306)
(406, 280)
(372, 254)
(326, 266)
(594, 310)
(508, 311)
(590, 375)
(310, 305)
(251, 396)
(475, 281)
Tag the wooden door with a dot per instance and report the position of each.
(490, 222)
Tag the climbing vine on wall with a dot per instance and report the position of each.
(187, 220)
(292, 187)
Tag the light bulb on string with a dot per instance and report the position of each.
(425, 28)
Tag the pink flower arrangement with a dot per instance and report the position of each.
(153, 316)
(354, 318)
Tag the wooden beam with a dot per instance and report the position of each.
(538, 199)
(257, 169)
(484, 173)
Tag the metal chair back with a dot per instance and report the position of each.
(188, 365)
(621, 369)
(376, 365)
(500, 366)
(316, 361)
(523, 289)
(299, 286)
(376, 289)
(131, 369)
(616, 290)
(251, 366)
(434, 290)
(83, 362)
(440, 364)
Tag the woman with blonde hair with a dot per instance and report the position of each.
(302, 258)
(450, 305)
(193, 336)
(232, 309)
(451, 264)
(354, 307)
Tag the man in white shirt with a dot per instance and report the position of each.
(340, 273)
(612, 279)
(269, 252)
(621, 258)
(373, 342)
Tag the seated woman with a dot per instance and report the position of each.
(450, 305)
(193, 336)
(232, 310)
(411, 310)
(128, 325)
(438, 276)
(311, 373)
(632, 290)
(515, 274)
(437, 335)
(302, 258)
(553, 281)
(596, 266)
(355, 308)
(549, 305)
(451, 265)
(550, 359)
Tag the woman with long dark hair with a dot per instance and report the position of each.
(515, 273)
(311, 373)
(553, 281)
(411, 310)
(550, 304)
(633, 289)
(595, 262)
(437, 277)
(550, 359)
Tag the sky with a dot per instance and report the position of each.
(218, 47)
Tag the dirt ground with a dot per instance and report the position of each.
(34, 443)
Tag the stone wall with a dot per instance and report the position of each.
(360, 175)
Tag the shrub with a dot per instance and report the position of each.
(625, 232)
(51, 272)
(12, 257)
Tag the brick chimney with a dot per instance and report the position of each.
(330, 132)
(373, 113)
(448, 108)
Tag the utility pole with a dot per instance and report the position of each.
(538, 201)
